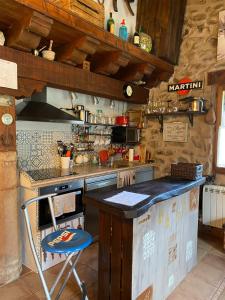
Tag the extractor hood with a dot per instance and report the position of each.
(36, 108)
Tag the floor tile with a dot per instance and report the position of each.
(205, 282)
(14, 291)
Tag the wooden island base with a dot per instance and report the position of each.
(147, 257)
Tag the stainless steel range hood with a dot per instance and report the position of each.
(36, 108)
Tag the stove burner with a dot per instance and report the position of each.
(43, 174)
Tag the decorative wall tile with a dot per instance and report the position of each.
(37, 149)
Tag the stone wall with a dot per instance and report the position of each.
(197, 57)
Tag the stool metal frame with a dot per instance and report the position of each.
(69, 260)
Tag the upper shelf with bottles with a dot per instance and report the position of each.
(31, 24)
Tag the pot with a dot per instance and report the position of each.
(197, 105)
(122, 120)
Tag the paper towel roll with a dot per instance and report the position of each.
(131, 154)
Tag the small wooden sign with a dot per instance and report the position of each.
(175, 132)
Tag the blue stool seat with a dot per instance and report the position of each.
(66, 241)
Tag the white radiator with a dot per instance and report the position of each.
(213, 210)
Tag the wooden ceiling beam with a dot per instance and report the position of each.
(135, 72)
(77, 51)
(156, 77)
(26, 34)
(26, 87)
(109, 62)
(78, 25)
(42, 72)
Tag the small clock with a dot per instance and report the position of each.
(127, 90)
(7, 119)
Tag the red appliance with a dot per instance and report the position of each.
(122, 120)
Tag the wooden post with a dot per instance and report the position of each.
(10, 256)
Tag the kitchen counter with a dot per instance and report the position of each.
(146, 250)
(82, 172)
(158, 190)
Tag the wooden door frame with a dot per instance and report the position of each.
(220, 90)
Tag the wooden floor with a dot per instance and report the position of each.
(205, 282)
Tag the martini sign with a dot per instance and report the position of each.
(184, 86)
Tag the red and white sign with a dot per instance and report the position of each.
(184, 86)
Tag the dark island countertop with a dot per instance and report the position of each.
(160, 189)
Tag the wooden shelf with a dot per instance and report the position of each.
(189, 114)
(30, 24)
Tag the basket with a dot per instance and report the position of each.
(188, 171)
(86, 9)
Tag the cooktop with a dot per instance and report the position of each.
(43, 174)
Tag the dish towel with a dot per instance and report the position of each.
(65, 203)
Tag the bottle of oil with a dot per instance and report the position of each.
(111, 24)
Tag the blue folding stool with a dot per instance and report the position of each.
(68, 242)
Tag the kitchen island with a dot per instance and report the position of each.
(146, 250)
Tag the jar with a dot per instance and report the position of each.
(92, 118)
(99, 117)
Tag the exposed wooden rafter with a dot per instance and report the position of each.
(135, 72)
(77, 51)
(30, 24)
(34, 73)
(26, 34)
(109, 63)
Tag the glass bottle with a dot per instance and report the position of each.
(136, 39)
(111, 24)
(123, 34)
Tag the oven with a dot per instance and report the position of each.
(71, 190)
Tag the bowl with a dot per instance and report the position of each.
(48, 54)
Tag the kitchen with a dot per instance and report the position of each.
(36, 144)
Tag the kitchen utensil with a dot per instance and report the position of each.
(60, 148)
(36, 52)
(49, 54)
(129, 7)
(115, 5)
(122, 120)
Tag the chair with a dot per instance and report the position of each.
(68, 242)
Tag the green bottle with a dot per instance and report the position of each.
(111, 24)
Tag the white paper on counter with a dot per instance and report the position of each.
(8, 74)
(127, 198)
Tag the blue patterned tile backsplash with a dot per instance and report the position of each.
(37, 149)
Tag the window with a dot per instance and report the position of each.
(220, 132)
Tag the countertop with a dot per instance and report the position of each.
(158, 190)
(84, 171)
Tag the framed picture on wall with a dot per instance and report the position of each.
(221, 36)
(175, 132)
